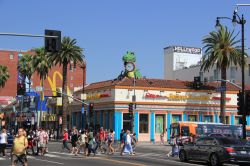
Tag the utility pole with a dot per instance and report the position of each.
(134, 107)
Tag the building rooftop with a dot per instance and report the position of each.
(157, 83)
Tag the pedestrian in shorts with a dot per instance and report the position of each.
(18, 152)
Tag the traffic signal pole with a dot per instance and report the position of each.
(134, 107)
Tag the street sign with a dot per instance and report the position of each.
(221, 89)
(39, 88)
(82, 110)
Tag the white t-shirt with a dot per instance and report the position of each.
(3, 138)
(83, 138)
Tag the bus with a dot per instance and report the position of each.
(197, 129)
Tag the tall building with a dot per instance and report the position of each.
(180, 63)
(11, 104)
(179, 58)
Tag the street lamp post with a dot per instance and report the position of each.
(239, 20)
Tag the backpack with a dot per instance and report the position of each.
(134, 140)
(124, 137)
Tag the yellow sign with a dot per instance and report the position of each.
(49, 117)
(53, 86)
(187, 97)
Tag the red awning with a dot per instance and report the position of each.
(218, 98)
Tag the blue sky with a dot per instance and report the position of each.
(106, 29)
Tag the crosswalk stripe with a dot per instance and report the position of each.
(116, 154)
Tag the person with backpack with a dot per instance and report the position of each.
(134, 142)
(91, 142)
(124, 136)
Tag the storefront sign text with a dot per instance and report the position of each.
(153, 96)
(180, 97)
(98, 96)
(190, 50)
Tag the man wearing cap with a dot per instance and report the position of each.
(65, 140)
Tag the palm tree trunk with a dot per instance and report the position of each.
(64, 98)
(223, 95)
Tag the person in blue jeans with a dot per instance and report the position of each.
(124, 136)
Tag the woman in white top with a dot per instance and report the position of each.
(82, 141)
(128, 147)
(3, 141)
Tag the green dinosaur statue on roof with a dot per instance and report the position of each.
(130, 57)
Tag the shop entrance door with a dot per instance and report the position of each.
(126, 122)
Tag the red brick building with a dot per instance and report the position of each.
(10, 59)
(76, 76)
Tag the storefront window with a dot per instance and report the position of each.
(126, 122)
(176, 118)
(192, 118)
(237, 120)
(227, 120)
(208, 118)
(143, 127)
(159, 123)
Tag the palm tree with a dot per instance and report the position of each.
(221, 50)
(4, 75)
(25, 67)
(41, 65)
(69, 52)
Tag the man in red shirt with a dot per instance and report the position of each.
(65, 140)
(102, 135)
(102, 140)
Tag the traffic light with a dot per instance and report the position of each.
(52, 44)
(130, 107)
(239, 103)
(130, 110)
(197, 82)
(247, 102)
(91, 109)
(21, 89)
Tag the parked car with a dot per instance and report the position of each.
(216, 151)
(10, 139)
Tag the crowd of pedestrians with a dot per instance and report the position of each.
(85, 142)
(99, 141)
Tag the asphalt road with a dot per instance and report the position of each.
(146, 155)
